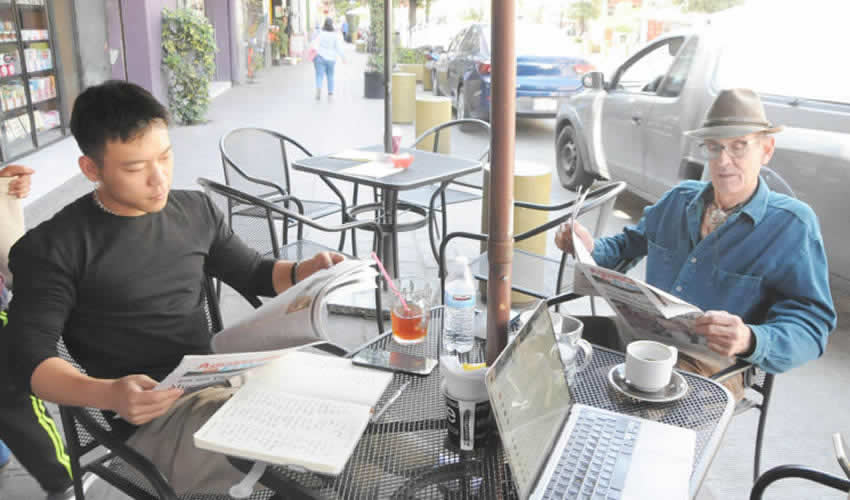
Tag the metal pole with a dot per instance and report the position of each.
(503, 118)
(388, 86)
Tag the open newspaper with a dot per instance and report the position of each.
(644, 312)
(295, 318)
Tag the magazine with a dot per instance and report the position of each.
(646, 312)
(295, 318)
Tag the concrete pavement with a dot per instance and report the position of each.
(809, 402)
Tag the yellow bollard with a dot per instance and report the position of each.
(404, 97)
(430, 112)
(417, 69)
(532, 183)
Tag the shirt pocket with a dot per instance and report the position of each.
(660, 266)
(736, 293)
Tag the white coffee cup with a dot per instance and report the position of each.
(649, 364)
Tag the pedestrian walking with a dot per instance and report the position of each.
(328, 46)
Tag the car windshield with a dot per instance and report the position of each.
(537, 40)
(785, 57)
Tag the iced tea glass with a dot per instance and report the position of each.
(410, 326)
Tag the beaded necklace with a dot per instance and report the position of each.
(100, 204)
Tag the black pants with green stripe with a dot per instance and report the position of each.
(29, 431)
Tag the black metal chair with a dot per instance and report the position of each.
(553, 270)
(256, 161)
(91, 438)
(469, 188)
(803, 472)
(260, 230)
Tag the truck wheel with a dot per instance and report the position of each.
(569, 164)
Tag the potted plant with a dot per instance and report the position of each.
(188, 60)
(412, 61)
(373, 78)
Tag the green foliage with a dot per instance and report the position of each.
(584, 10)
(279, 39)
(707, 6)
(410, 56)
(375, 63)
(188, 58)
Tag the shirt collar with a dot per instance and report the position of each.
(755, 208)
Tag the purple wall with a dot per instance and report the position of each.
(218, 12)
(143, 39)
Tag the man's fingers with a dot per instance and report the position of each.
(336, 258)
(14, 170)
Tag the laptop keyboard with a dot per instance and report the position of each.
(596, 459)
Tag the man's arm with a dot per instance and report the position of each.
(131, 397)
(282, 271)
(799, 322)
(20, 187)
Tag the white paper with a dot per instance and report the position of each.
(297, 316)
(374, 169)
(195, 371)
(303, 409)
(12, 228)
(647, 312)
(356, 155)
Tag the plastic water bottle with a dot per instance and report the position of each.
(460, 309)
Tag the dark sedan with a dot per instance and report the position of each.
(545, 75)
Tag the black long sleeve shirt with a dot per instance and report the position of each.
(125, 293)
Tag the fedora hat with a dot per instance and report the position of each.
(735, 113)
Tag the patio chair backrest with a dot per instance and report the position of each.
(251, 156)
(469, 125)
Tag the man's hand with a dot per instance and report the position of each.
(19, 187)
(564, 236)
(321, 260)
(133, 398)
(727, 334)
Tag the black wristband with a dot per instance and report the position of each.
(292, 269)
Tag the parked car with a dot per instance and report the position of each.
(629, 125)
(545, 73)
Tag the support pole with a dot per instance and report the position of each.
(388, 87)
(502, 147)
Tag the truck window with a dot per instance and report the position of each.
(645, 74)
(674, 82)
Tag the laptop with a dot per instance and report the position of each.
(560, 449)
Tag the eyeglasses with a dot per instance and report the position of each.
(735, 149)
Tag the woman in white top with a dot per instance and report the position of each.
(328, 46)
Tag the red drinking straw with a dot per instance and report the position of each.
(390, 281)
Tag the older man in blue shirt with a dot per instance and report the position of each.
(753, 259)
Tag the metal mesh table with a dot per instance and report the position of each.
(406, 453)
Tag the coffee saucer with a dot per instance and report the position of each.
(677, 387)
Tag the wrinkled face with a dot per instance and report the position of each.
(135, 176)
(734, 164)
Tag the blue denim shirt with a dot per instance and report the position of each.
(766, 264)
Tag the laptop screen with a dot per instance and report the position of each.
(530, 398)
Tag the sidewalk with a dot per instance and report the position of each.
(807, 405)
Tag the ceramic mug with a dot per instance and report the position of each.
(649, 364)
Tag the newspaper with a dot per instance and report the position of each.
(646, 312)
(295, 318)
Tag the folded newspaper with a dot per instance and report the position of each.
(646, 312)
(295, 318)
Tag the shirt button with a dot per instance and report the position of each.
(678, 289)
(693, 260)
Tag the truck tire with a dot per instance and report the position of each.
(569, 162)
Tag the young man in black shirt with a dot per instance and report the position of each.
(118, 275)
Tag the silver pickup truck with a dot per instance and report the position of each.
(629, 125)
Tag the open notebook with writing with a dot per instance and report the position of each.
(306, 410)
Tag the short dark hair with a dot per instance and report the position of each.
(329, 24)
(113, 110)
